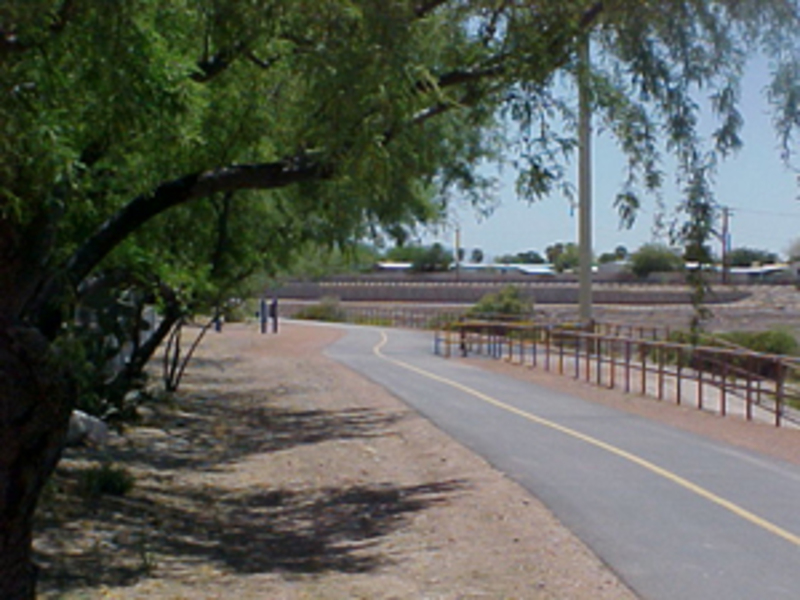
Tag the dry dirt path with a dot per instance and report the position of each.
(279, 474)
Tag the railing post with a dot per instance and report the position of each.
(588, 365)
(599, 362)
(613, 364)
(547, 340)
(643, 352)
(678, 371)
(779, 392)
(723, 389)
(749, 396)
(578, 358)
(700, 382)
(627, 365)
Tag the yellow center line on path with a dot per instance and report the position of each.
(645, 464)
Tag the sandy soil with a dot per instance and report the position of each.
(277, 473)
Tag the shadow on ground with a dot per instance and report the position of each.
(276, 530)
(210, 432)
(85, 543)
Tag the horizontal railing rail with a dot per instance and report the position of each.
(756, 385)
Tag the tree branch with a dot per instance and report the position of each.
(136, 213)
(259, 62)
(591, 15)
(212, 66)
(423, 9)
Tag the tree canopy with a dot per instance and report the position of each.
(177, 147)
(525, 257)
(655, 258)
(746, 257)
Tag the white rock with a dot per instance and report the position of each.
(86, 429)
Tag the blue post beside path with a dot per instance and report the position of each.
(262, 313)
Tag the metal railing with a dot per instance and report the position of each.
(755, 385)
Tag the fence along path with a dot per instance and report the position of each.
(750, 385)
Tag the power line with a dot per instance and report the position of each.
(768, 213)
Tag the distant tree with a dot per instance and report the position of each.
(528, 257)
(569, 259)
(531, 257)
(476, 256)
(607, 257)
(553, 251)
(794, 250)
(654, 258)
(698, 253)
(409, 253)
(744, 257)
(318, 260)
(619, 253)
(432, 259)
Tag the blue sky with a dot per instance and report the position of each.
(761, 191)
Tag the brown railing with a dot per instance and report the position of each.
(755, 385)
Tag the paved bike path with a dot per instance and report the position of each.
(674, 514)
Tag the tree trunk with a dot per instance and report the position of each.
(36, 397)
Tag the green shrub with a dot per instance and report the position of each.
(241, 311)
(327, 309)
(654, 258)
(105, 479)
(770, 342)
(508, 302)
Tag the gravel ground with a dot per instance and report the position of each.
(279, 474)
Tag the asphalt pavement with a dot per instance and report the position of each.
(675, 515)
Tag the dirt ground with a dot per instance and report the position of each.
(278, 474)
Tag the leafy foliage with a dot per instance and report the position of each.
(314, 260)
(528, 257)
(106, 479)
(423, 259)
(196, 145)
(772, 342)
(794, 250)
(510, 301)
(654, 258)
(562, 256)
(745, 257)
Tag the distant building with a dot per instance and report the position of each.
(542, 270)
(393, 266)
(772, 272)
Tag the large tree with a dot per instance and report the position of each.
(135, 135)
